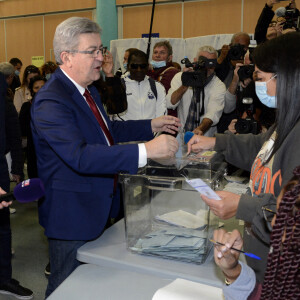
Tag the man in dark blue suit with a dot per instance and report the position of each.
(76, 145)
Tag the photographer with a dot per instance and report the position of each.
(181, 95)
(230, 55)
(242, 76)
(271, 24)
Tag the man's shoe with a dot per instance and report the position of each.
(47, 270)
(13, 288)
(12, 210)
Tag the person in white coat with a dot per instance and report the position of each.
(146, 97)
(181, 96)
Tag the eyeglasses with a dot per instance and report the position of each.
(268, 216)
(92, 53)
(272, 24)
(135, 66)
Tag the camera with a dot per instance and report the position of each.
(248, 125)
(245, 72)
(236, 52)
(198, 77)
(292, 19)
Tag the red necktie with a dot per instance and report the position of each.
(98, 116)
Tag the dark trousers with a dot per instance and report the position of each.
(5, 232)
(63, 261)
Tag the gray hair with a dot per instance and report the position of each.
(236, 35)
(208, 49)
(165, 44)
(67, 34)
(7, 69)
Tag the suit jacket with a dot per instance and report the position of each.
(74, 161)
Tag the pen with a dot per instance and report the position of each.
(241, 251)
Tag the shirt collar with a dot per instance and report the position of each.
(79, 87)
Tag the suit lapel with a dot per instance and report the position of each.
(98, 101)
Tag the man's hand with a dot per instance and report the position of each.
(226, 207)
(164, 146)
(231, 126)
(198, 131)
(198, 143)
(165, 123)
(287, 30)
(203, 127)
(3, 203)
(245, 83)
(279, 28)
(16, 178)
(108, 64)
(235, 72)
(223, 54)
(226, 258)
(235, 79)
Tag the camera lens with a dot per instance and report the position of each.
(243, 126)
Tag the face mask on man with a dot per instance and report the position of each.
(17, 72)
(158, 64)
(125, 65)
(262, 94)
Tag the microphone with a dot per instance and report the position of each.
(280, 12)
(187, 136)
(26, 191)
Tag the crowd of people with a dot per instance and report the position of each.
(74, 122)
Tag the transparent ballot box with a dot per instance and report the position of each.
(164, 215)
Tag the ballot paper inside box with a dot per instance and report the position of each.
(164, 215)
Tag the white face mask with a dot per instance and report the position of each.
(262, 94)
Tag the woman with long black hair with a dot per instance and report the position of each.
(282, 277)
(271, 157)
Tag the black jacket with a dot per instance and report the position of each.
(13, 138)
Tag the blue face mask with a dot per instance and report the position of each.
(261, 92)
(125, 65)
(17, 72)
(158, 64)
(48, 76)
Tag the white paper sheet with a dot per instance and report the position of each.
(181, 289)
(200, 186)
(183, 218)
